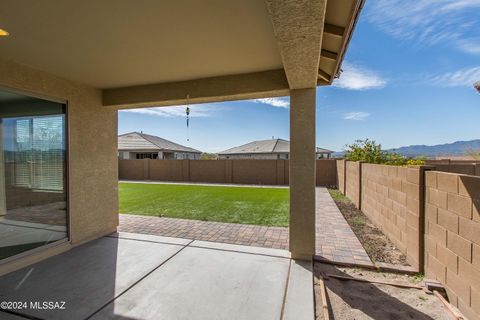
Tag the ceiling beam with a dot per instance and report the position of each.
(329, 54)
(298, 27)
(324, 76)
(334, 30)
(263, 84)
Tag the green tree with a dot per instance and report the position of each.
(208, 156)
(365, 150)
(371, 152)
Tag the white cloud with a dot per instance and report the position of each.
(470, 47)
(356, 115)
(354, 77)
(463, 77)
(196, 111)
(429, 22)
(274, 102)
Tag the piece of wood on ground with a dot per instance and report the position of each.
(454, 313)
(323, 294)
(395, 284)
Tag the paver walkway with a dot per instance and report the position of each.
(243, 234)
(335, 241)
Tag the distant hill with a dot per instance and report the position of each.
(457, 148)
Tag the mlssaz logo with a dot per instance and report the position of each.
(47, 305)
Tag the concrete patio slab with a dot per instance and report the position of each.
(86, 278)
(209, 284)
(133, 277)
(8, 316)
(299, 302)
(239, 248)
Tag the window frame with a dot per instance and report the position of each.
(66, 108)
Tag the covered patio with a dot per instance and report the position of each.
(81, 62)
(133, 276)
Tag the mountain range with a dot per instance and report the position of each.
(457, 148)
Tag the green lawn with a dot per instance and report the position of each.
(249, 205)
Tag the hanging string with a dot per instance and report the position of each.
(187, 111)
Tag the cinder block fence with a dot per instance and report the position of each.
(266, 172)
(433, 217)
(453, 237)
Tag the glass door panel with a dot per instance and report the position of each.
(33, 197)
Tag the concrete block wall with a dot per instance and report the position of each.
(353, 181)
(391, 199)
(257, 172)
(341, 175)
(468, 169)
(326, 173)
(452, 238)
(267, 172)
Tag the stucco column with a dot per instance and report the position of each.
(3, 197)
(302, 173)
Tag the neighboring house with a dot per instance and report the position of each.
(266, 149)
(137, 145)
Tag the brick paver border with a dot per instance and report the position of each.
(243, 234)
(335, 240)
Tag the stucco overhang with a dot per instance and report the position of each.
(154, 52)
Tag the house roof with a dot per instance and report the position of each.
(141, 141)
(266, 146)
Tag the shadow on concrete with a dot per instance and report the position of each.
(83, 280)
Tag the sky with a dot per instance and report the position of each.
(407, 79)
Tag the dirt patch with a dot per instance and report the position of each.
(377, 245)
(350, 300)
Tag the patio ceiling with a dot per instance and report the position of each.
(156, 52)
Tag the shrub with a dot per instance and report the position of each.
(371, 152)
(418, 161)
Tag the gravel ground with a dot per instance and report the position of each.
(378, 246)
(350, 300)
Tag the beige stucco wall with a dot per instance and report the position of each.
(92, 144)
(452, 237)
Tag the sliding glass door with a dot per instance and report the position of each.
(33, 197)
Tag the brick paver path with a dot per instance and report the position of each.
(335, 241)
(249, 235)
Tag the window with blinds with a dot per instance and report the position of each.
(33, 164)
(39, 152)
